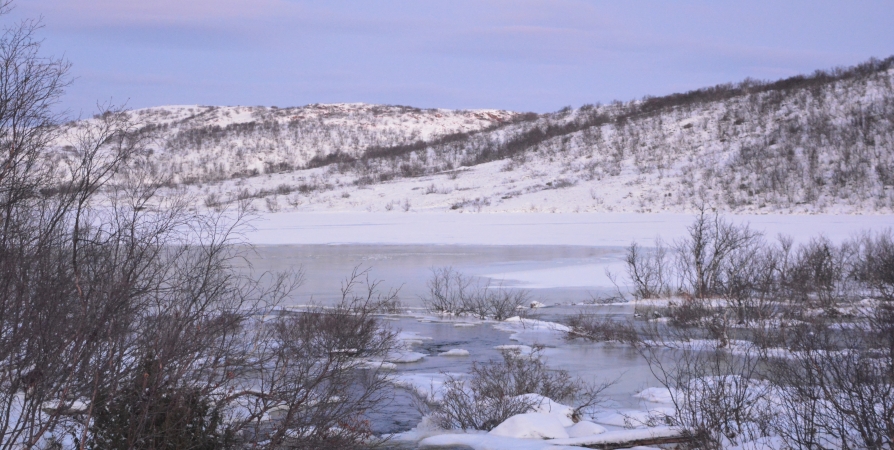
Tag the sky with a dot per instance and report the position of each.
(522, 55)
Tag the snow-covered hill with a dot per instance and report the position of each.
(210, 143)
(821, 143)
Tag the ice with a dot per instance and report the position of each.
(579, 275)
(426, 385)
(455, 352)
(590, 229)
(404, 357)
(521, 349)
(656, 395)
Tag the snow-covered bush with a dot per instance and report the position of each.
(499, 389)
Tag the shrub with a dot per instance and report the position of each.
(496, 390)
(451, 292)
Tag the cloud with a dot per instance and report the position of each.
(158, 12)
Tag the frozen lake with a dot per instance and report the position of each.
(554, 274)
(514, 229)
(560, 258)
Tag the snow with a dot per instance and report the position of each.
(545, 405)
(635, 418)
(585, 428)
(531, 426)
(620, 436)
(519, 326)
(491, 442)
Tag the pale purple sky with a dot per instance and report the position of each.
(523, 55)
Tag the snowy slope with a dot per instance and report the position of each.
(209, 143)
(817, 144)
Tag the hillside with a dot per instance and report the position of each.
(818, 143)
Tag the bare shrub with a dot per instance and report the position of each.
(875, 263)
(708, 257)
(496, 390)
(817, 273)
(649, 271)
(840, 384)
(272, 204)
(600, 328)
(451, 292)
(717, 393)
(315, 377)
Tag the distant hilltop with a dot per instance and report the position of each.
(805, 144)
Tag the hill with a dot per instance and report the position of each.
(817, 143)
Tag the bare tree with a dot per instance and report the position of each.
(127, 320)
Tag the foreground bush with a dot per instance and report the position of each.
(128, 321)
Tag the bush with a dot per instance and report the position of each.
(179, 418)
(600, 328)
(451, 292)
(496, 390)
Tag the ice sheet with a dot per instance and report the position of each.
(589, 229)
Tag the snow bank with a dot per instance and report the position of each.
(492, 442)
(531, 426)
(584, 429)
(518, 326)
(545, 405)
(611, 437)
